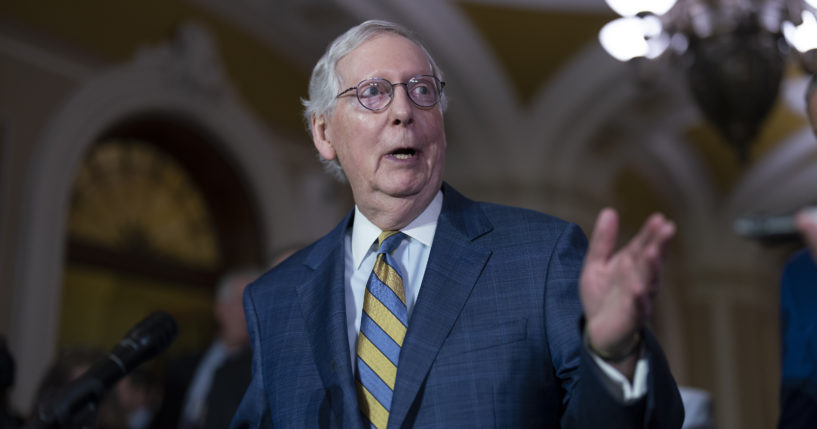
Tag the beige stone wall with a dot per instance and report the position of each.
(33, 83)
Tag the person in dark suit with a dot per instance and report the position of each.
(798, 323)
(203, 390)
(476, 314)
(229, 383)
(798, 301)
(9, 418)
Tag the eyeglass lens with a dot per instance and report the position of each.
(377, 93)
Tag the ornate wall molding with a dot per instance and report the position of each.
(183, 77)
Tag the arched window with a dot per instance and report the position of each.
(156, 215)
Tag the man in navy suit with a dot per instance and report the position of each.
(798, 302)
(512, 320)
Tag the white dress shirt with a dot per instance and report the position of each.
(411, 255)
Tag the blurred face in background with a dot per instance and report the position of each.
(229, 313)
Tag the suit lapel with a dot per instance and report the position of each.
(323, 305)
(454, 266)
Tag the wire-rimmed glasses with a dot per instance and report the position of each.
(377, 93)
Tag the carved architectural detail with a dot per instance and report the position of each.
(190, 62)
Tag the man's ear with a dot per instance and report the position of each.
(321, 138)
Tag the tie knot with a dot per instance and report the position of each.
(387, 241)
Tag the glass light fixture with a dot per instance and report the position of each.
(731, 51)
(635, 7)
(632, 37)
(802, 37)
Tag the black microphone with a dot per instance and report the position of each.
(143, 342)
(779, 228)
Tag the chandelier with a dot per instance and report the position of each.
(732, 52)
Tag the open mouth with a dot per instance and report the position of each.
(404, 153)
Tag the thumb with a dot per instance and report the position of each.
(603, 238)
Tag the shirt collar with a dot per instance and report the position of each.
(422, 229)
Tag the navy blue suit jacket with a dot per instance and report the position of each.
(493, 341)
(798, 303)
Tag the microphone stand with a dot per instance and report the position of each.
(76, 406)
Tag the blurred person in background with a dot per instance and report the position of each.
(9, 419)
(798, 316)
(204, 389)
(138, 397)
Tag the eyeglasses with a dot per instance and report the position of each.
(377, 93)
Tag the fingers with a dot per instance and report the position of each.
(653, 237)
(603, 238)
(656, 231)
(647, 250)
(620, 294)
(643, 255)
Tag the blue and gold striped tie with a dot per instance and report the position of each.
(382, 329)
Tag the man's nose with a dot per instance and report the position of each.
(402, 108)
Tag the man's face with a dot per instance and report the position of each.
(393, 158)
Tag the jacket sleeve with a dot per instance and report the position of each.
(253, 411)
(589, 401)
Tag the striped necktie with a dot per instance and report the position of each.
(382, 329)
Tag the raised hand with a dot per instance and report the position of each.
(618, 288)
